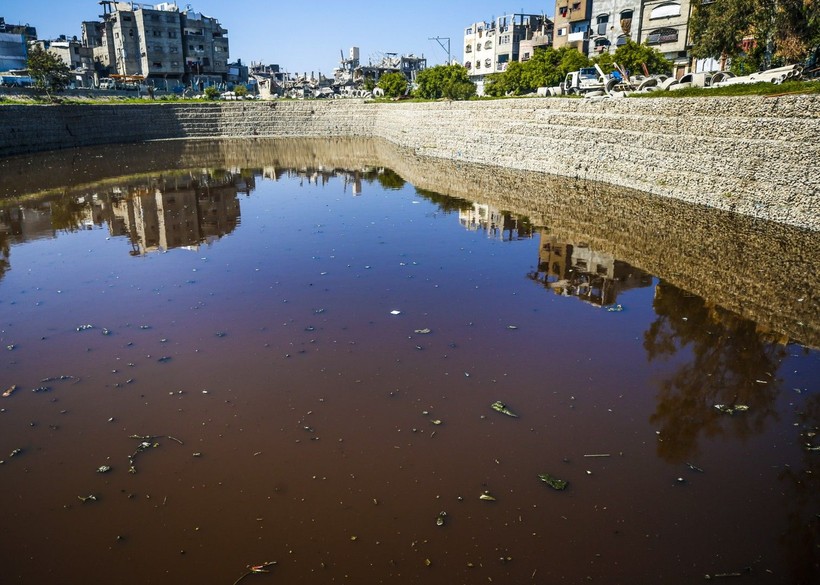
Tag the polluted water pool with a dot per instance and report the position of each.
(337, 362)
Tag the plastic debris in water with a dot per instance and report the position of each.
(499, 406)
(615, 308)
(553, 482)
(395, 312)
(424, 331)
(103, 469)
(88, 498)
(440, 518)
(10, 391)
(486, 497)
(85, 327)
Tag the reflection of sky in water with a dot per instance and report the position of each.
(275, 299)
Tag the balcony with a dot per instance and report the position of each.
(576, 37)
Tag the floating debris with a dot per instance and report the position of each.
(486, 497)
(694, 468)
(499, 406)
(221, 334)
(615, 309)
(440, 518)
(15, 453)
(10, 390)
(436, 421)
(62, 378)
(731, 408)
(395, 312)
(41, 389)
(88, 498)
(553, 482)
(598, 455)
(512, 327)
(424, 331)
(163, 359)
(85, 327)
(103, 469)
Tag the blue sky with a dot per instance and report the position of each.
(304, 35)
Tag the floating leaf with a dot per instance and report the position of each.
(553, 482)
(499, 406)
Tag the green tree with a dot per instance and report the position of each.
(547, 68)
(393, 84)
(787, 30)
(240, 90)
(49, 71)
(633, 56)
(450, 81)
(211, 92)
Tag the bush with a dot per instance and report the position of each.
(450, 81)
(211, 92)
(393, 84)
(240, 91)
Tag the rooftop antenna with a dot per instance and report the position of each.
(439, 41)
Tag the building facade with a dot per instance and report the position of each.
(572, 23)
(665, 27)
(490, 46)
(158, 43)
(612, 23)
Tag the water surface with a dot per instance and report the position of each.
(289, 351)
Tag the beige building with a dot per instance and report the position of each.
(572, 18)
(665, 27)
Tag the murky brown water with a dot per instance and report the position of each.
(229, 334)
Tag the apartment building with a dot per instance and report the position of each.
(490, 46)
(572, 24)
(158, 42)
(612, 23)
(665, 27)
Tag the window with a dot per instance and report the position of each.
(172, 34)
(563, 11)
(665, 11)
(621, 41)
(602, 21)
(469, 31)
(468, 65)
(468, 49)
(662, 35)
(562, 32)
(626, 21)
(488, 45)
(478, 64)
(488, 63)
(526, 57)
(156, 65)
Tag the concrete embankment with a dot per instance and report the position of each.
(753, 155)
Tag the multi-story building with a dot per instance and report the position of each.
(612, 23)
(13, 45)
(541, 38)
(205, 46)
(665, 27)
(572, 23)
(159, 43)
(490, 46)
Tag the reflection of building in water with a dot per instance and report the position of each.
(21, 224)
(576, 270)
(157, 220)
(496, 224)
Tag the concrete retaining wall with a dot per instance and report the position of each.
(756, 156)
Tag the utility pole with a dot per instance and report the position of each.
(447, 48)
